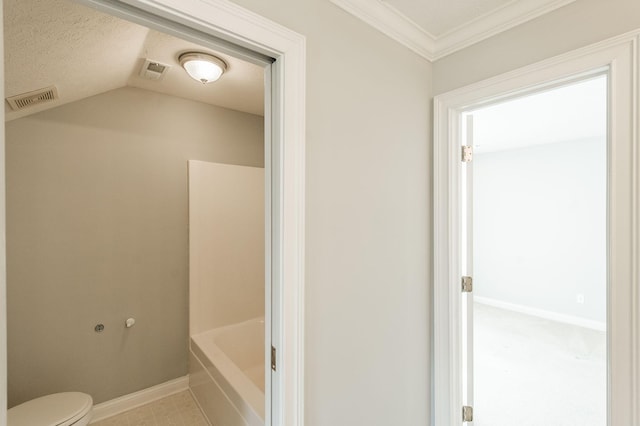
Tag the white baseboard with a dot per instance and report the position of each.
(554, 316)
(127, 402)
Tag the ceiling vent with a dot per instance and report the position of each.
(153, 70)
(36, 97)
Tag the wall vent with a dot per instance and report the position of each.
(36, 97)
(153, 70)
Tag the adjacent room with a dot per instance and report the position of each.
(539, 257)
(136, 222)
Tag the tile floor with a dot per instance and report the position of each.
(175, 410)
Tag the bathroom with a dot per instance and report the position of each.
(98, 217)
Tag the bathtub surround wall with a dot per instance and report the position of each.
(97, 232)
(226, 245)
(227, 291)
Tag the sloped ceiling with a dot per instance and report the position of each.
(84, 52)
(436, 28)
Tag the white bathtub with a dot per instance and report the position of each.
(227, 373)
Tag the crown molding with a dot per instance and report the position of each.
(391, 22)
(499, 20)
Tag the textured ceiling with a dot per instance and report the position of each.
(440, 16)
(84, 52)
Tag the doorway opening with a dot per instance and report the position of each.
(257, 40)
(614, 63)
(534, 242)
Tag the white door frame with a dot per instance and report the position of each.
(240, 27)
(620, 57)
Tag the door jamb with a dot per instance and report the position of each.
(620, 56)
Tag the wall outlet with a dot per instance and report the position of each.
(580, 299)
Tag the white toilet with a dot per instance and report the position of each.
(58, 409)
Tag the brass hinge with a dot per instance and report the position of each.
(467, 414)
(273, 358)
(467, 284)
(467, 153)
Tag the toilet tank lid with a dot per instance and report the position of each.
(51, 410)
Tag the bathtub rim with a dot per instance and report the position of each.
(238, 387)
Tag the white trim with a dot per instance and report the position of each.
(128, 402)
(619, 56)
(499, 20)
(393, 23)
(227, 21)
(268, 240)
(541, 313)
(635, 232)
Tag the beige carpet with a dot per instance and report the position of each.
(535, 372)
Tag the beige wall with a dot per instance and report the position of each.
(3, 282)
(579, 24)
(97, 233)
(367, 306)
(226, 245)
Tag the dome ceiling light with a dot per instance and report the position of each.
(202, 67)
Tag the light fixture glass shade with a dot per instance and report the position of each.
(202, 67)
